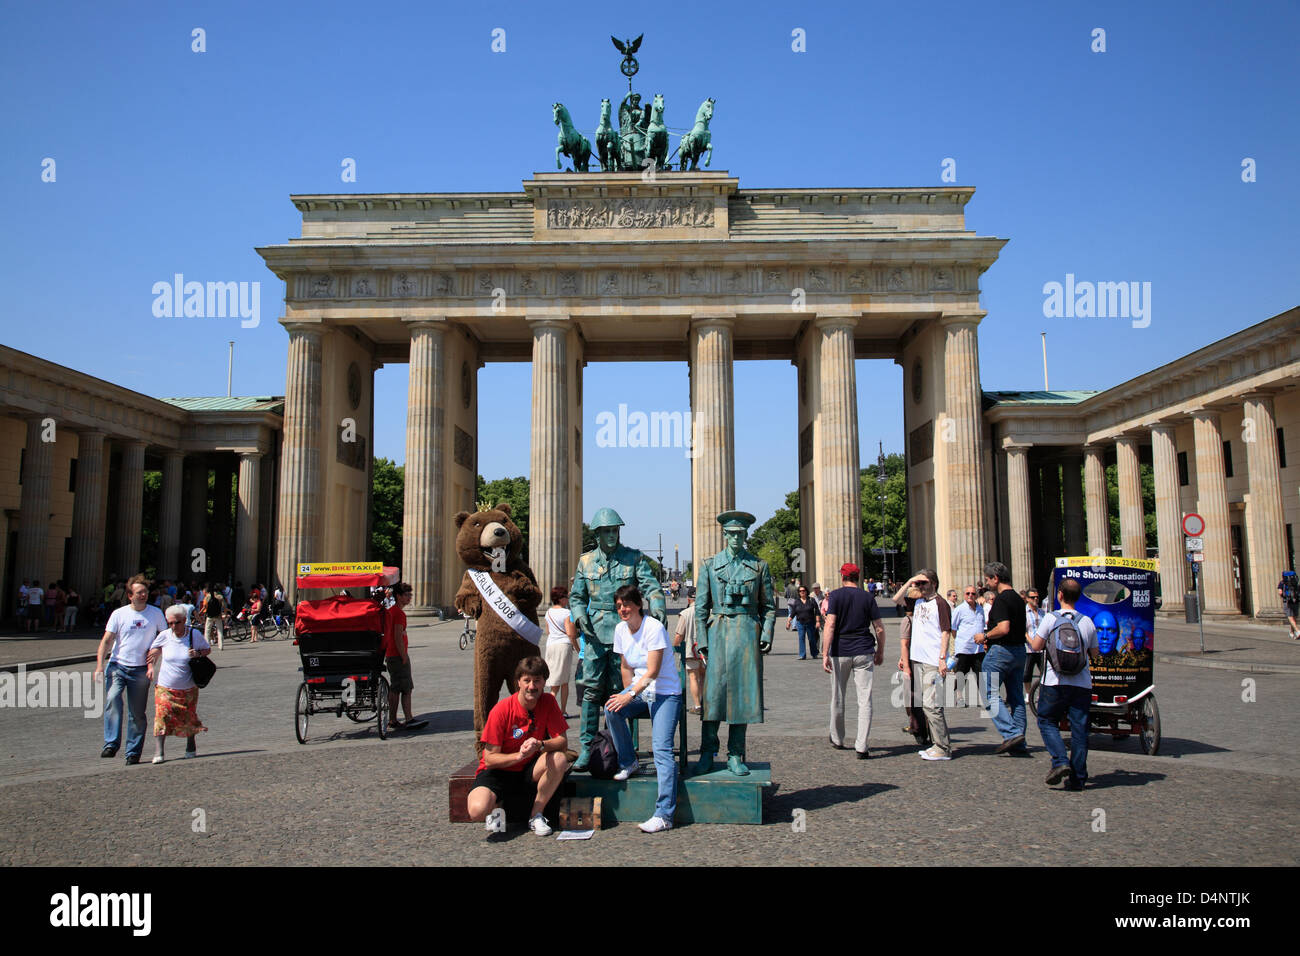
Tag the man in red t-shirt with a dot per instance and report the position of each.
(398, 660)
(524, 743)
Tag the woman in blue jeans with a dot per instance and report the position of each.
(653, 686)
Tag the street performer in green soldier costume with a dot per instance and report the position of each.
(734, 615)
(591, 604)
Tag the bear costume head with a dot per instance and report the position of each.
(489, 540)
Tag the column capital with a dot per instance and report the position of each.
(725, 320)
(1162, 428)
(303, 328)
(824, 322)
(250, 455)
(439, 322)
(1205, 413)
(537, 322)
(950, 319)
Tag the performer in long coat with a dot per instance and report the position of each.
(735, 612)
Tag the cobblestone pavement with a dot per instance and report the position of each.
(1222, 792)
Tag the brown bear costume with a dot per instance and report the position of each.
(481, 537)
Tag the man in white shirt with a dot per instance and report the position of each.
(1062, 694)
(926, 648)
(968, 622)
(130, 632)
(1032, 619)
(35, 606)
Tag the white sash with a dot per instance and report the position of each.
(504, 606)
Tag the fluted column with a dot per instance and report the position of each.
(219, 555)
(964, 472)
(1072, 494)
(194, 521)
(836, 482)
(130, 507)
(1265, 518)
(298, 537)
(1132, 527)
(1095, 498)
(425, 519)
(1212, 504)
(250, 484)
(169, 516)
(548, 489)
(87, 559)
(1018, 517)
(1053, 539)
(1169, 517)
(34, 504)
(713, 462)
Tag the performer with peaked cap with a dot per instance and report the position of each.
(734, 617)
(601, 572)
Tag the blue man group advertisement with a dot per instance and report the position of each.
(1118, 594)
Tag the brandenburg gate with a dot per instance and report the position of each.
(616, 267)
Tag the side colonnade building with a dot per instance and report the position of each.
(74, 450)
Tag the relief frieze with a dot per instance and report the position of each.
(668, 213)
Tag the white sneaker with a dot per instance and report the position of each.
(158, 758)
(539, 825)
(190, 754)
(934, 753)
(631, 771)
(655, 825)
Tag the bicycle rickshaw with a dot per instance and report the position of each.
(1118, 597)
(340, 641)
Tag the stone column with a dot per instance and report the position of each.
(425, 519)
(34, 505)
(1212, 504)
(87, 571)
(836, 482)
(219, 554)
(1132, 527)
(548, 489)
(169, 516)
(298, 537)
(1053, 540)
(250, 484)
(1018, 517)
(964, 472)
(1072, 492)
(1169, 517)
(1095, 498)
(713, 465)
(130, 507)
(1266, 521)
(194, 521)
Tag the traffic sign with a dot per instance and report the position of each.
(1194, 544)
(1193, 524)
(1197, 556)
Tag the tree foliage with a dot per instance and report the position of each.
(512, 491)
(388, 492)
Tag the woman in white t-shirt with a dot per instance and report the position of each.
(561, 647)
(654, 687)
(176, 696)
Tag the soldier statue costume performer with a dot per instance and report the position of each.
(600, 574)
(734, 615)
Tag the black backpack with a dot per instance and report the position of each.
(213, 605)
(1065, 648)
(604, 756)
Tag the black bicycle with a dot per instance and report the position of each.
(467, 634)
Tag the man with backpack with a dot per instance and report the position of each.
(1069, 639)
(1288, 589)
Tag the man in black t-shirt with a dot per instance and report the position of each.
(1004, 642)
(853, 644)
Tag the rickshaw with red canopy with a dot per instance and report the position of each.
(340, 641)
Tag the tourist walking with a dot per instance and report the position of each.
(1004, 660)
(927, 649)
(175, 696)
(854, 646)
(1068, 639)
(130, 633)
(806, 616)
(561, 647)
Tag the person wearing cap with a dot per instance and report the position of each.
(853, 645)
(599, 575)
(735, 613)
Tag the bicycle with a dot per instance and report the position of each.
(467, 635)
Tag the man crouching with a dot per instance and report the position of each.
(524, 743)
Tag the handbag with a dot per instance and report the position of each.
(201, 668)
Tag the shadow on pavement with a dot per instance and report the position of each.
(778, 808)
(1123, 778)
(446, 721)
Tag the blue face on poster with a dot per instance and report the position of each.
(1139, 638)
(1107, 631)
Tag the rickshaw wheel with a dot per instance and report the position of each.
(381, 708)
(1150, 736)
(301, 709)
(1033, 697)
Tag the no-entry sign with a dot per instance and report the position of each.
(1193, 525)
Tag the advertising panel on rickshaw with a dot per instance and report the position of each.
(1119, 597)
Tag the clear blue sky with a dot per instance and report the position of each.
(1123, 165)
